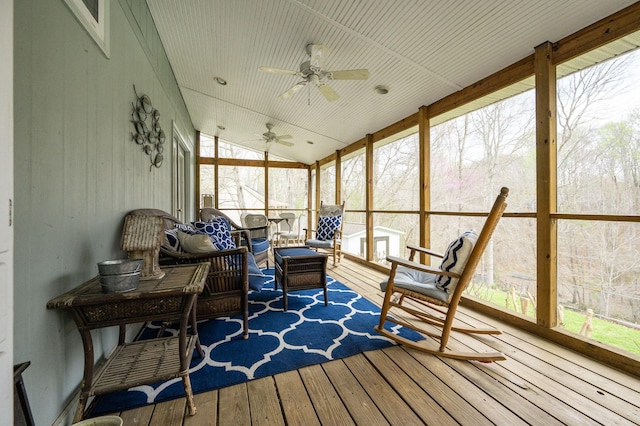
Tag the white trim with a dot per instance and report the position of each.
(98, 30)
(178, 136)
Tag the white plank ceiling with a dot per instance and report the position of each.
(422, 50)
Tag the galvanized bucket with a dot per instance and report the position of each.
(119, 276)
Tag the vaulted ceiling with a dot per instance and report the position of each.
(420, 50)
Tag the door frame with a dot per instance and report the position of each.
(181, 171)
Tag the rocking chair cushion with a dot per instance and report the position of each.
(418, 281)
(455, 259)
(314, 242)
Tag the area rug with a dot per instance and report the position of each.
(308, 333)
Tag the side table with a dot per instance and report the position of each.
(299, 268)
(170, 298)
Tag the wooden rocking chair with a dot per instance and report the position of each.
(439, 290)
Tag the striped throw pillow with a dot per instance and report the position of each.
(455, 259)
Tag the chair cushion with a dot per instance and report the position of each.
(259, 245)
(327, 226)
(293, 252)
(418, 281)
(314, 242)
(455, 259)
(218, 230)
(197, 243)
(256, 277)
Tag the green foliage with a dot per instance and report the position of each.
(603, 331)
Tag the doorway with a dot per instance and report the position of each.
(180, 177)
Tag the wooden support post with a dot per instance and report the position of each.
(546, 168)
(587, 327)
(513, 298)
(524, 305)
(425, 183)
(560, 316)
(369, 197)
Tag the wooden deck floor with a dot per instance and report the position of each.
(540, 383)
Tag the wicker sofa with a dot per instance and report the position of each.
(227, 285)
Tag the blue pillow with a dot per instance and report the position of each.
(327, 226)
(218, 230)
(171, 239)
(186, 228)
(256, 277)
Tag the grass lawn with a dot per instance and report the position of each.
(603, 331)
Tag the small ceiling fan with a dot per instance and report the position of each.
(270, 137)
(312, 71)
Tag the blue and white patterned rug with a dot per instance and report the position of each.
(308, 333)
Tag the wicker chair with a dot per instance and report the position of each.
(226, 289)
(256, 238)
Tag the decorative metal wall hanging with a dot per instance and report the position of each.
(148, 133)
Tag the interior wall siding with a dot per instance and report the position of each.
(77, 173)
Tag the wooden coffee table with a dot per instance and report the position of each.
(170, 298)
(299, 268)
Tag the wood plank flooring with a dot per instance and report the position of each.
(540, 383)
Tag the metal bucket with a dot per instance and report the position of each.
(122, 266)
(119, 283)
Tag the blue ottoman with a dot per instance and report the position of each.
(299, 268)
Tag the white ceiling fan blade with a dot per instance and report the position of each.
(277, 70)
(285, 137)
(285, 143)
(293, 89)
(349, 74)
(317, 54)
(328, 92)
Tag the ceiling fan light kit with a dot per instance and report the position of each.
(312, 71)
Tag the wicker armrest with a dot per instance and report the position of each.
(182, 257)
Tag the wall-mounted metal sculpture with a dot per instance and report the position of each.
(148, 132)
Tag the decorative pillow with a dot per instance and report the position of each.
(171, 239)
(256, 277)
(327, 226)
(197, 243)
(186, 228)
(455, 259)
(218, 230)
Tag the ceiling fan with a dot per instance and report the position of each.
(270, 137)
(312, 71)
